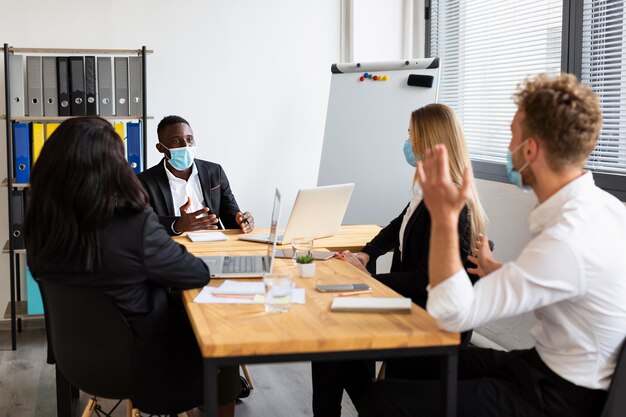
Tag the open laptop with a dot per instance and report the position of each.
(245, 266)
(317, 212)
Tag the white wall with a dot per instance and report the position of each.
(508, 209)
(252, 78)
(378, 30)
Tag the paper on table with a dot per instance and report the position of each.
(232, 287)
(206, 297)
(207, 237)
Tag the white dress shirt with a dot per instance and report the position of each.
(572, 274)
(415, 201)
(181, 189)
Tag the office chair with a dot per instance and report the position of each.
(91, 343)
(616, 400)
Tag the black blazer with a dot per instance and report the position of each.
(135, 256)
(215, 190)
(409, 275)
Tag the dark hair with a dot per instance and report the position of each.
(563, 114)
(81, 179)
(169, 120)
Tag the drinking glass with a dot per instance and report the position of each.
(301, 246)
(278, 292)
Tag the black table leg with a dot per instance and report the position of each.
(210, 389)
(449, 378)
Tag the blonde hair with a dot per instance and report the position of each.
(437, 124)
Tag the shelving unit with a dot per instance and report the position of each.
(17, 308)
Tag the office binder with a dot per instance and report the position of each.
(50, 93)
(77, 86)
(38, 138)
(133, 145)
(17, 205)
(119, 128)
(33, 295)
(50, 127)
(135, 86)
(18, 99)
(63, 86)
(105, 86)
(21, 150)
(90, 85)
(34, 86)
(121, 86)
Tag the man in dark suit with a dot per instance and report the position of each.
(189, 194)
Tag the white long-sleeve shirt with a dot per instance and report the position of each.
(182, 189)
(572, 274)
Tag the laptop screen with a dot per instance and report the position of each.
(271, 245)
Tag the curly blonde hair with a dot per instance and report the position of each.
(563, 115)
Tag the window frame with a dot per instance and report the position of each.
(571, 62)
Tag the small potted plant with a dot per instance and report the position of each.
(306, 266)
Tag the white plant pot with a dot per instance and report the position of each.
(306, 270)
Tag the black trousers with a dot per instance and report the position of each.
(170, 362)
(491, 383)
(331, 378)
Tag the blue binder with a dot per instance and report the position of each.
(21, 151)
(35, 303)
(133, 146)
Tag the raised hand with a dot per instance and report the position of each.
(443, 198)
(190, 222)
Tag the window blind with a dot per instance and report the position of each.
(604, 67)
(487, 48)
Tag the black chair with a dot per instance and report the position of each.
(616, 400)
(91, 343)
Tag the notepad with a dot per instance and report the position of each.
(371, 305)
(207, 237)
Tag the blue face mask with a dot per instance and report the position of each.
(408, 153)
(515, 177)
(181, 158)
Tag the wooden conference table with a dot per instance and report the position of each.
(351, 238)
(233, 334)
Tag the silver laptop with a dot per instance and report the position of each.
(317, 212)
(244, 266)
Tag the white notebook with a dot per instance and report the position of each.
(207, 237)
(371, 305)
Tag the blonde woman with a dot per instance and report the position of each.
(408, 236)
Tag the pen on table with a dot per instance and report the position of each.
(348, 294)
(245, 297)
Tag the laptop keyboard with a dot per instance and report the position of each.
(242, 264)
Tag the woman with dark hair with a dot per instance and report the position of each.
(89, 224)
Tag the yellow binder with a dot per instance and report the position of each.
(38, 138)
(50, 127)
(119, 128)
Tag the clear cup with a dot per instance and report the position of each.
(278, 292)
(301, 246)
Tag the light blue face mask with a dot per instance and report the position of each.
(181, 158)
(515, 177)
(410, 157)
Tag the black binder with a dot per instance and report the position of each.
(17, 204)
(63, 86)
(90, 85)
(77, 86)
